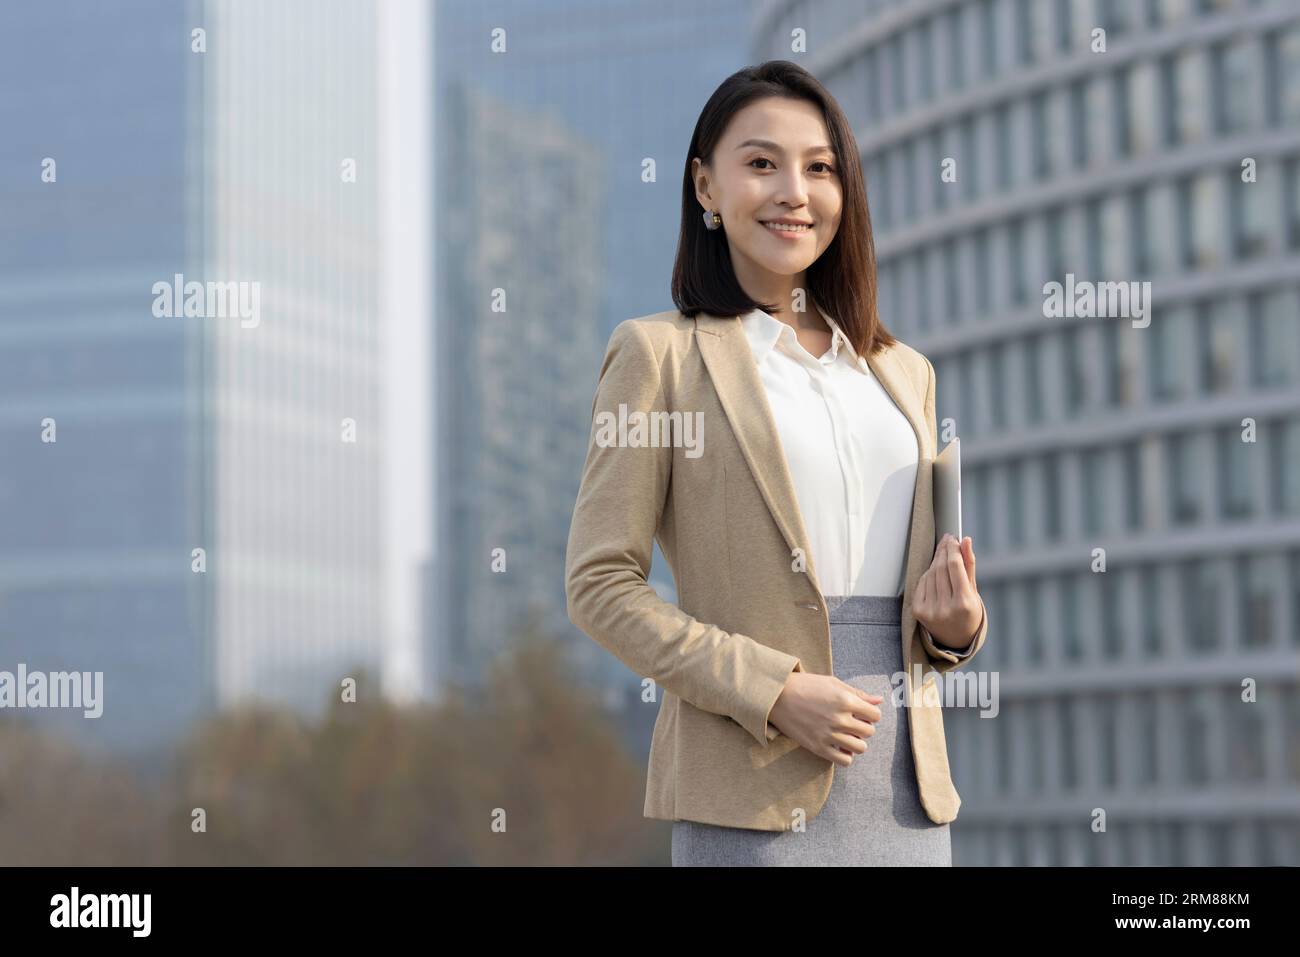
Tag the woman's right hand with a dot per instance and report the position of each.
(829, 717)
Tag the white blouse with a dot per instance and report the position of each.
(851, 453)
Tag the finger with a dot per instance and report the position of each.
(956, 571)
(923, 595)
(840, 752)
(968, 552)
(862, 728)
(943, 577)
(867, 713)
(849, 742)
(940, 549)
(860, 703)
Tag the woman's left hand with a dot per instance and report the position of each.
(946, 601)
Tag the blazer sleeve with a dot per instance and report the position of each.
(942, 658)
(607, 560)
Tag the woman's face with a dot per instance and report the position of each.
(773, 162)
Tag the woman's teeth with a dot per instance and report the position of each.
(784, 228)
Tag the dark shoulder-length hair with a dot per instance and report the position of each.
(842, 281)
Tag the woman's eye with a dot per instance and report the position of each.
(764, 159)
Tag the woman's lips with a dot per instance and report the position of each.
(787, 233)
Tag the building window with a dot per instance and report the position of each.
(1038, 136)
(1284, 477)
(1016, 254)
(1092, 238)
(997, 386)
(1249, 208)
(1024, 27)
(988, 37)
(1034, 620)
(1073, 340)
(1094, 491)
(1201, 604)
(983, 271)
(1120, 111)
(1002, 143)
(1098, 119)
(1182, 472)
(969, 162)
(966, 391)
(1200, 222)
(1283, 87)
(1234, 474)
(910, 211)
(1167, 11)
(1078, 134)
(874, 64)
(1052, 496)
(1169, 97)
(951, 282)
(1246, 733)
(1258, 599)
(1195, 736)
(1292, 204)
(883, 191)
(1004, 753)
(1033, 379)
(1034, 765)
(1069, 761)
(1064, 27)
(1055, 226)
(956, 49)
(897, 74)
(1140, 238)
(1231, 63)
(938, 189)
(1183, 203)
(1108, 741)
(1274, 339)
(1015, 490)
(1112, 622)
(1117, 377)
(1190, 101)
(1114, 16)
(1132, 487)
(925, 59)
(1217, 340)
(1152, 618)
(1295, 604)
(1164, 355)
(922, 290)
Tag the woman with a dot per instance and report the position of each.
(780, 452)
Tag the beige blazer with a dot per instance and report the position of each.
(727, 520)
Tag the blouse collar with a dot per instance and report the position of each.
(763, 330)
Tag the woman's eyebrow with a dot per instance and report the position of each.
(769, 145)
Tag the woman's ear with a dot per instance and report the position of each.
(700, 177)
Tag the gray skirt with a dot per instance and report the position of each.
(873, 815)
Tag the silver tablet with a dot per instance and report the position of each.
(947, 491)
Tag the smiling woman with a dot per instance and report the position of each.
(802, 542)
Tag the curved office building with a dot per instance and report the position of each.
(1132, 479)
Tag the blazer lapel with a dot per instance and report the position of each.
(730, 362)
